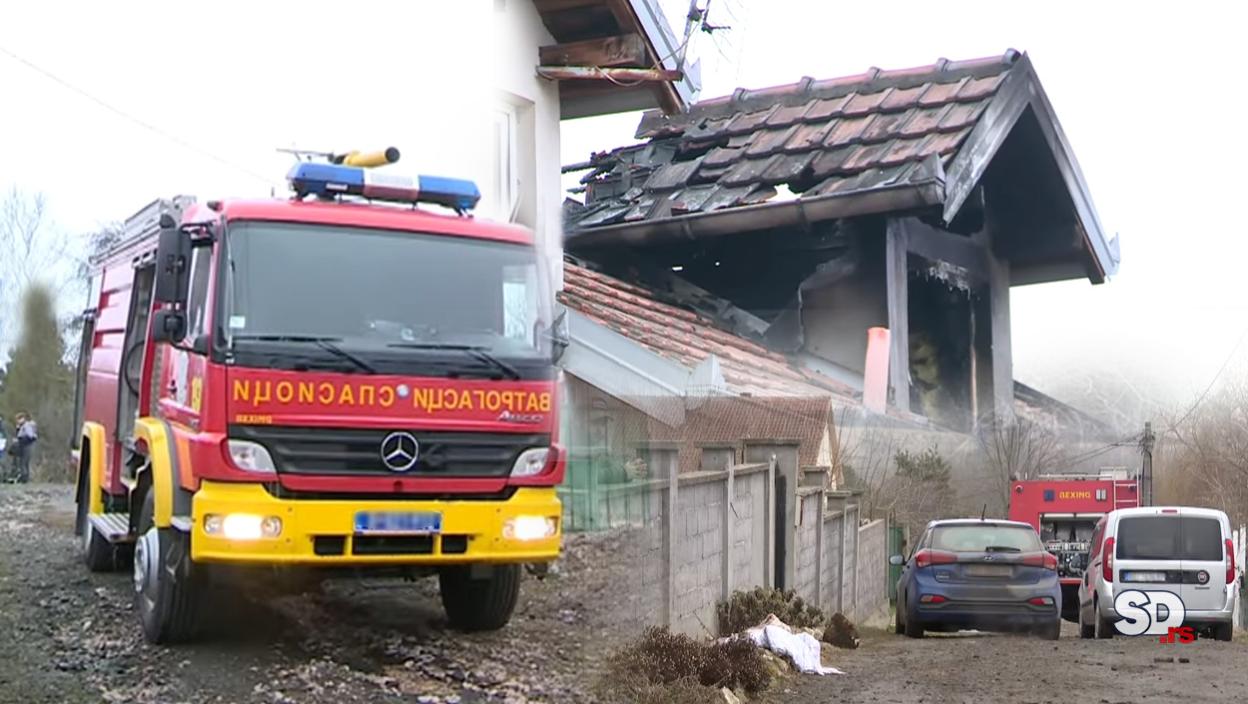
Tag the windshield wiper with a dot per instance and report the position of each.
(473, 350)
(325, 343)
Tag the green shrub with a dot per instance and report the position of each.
(748, 609)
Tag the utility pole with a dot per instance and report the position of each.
(1146, 449)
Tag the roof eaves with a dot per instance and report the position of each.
(667, 48)
(1020, 90)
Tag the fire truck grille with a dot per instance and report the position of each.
(354, 452)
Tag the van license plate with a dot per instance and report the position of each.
(372, 523)
(988, 570)
(1144, 577)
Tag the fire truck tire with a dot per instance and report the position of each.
(98, 554)
(165, 593)
(479, 604)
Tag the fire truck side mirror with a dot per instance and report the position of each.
(173, 263)
(560, 338)
(168, 325)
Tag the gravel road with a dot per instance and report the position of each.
(70, 636)
(981, 669)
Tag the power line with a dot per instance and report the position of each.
(127, 116)
(1213, 381)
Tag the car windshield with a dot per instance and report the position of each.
(988, 537)
(1170, 538)
(339, 291)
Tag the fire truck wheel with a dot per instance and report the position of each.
(165, 594)
(479, 604)
(98, 554)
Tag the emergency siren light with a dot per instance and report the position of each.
(352, 174)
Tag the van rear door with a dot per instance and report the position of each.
(1203, 554)
(1146, 553)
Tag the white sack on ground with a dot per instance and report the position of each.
(801, 648)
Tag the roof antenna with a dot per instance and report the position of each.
(984, 513)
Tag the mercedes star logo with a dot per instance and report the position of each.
(399, 451)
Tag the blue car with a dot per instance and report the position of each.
(986, 575)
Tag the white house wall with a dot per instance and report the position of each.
(519, 33)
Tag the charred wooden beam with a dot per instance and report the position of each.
(623, 50)
(624, 75)
(544, 6)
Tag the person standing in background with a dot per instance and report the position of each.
(25, 437)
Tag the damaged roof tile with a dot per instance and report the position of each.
(685, 336)
(840, 135)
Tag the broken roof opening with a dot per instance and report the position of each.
(928, 141)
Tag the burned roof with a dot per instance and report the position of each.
(687, 337)
(881, 141)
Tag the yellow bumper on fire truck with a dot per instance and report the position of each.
(322, 532)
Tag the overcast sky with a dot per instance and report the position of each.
(1150, 100)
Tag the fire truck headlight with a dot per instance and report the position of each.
(242, 526)
(251, 456)
(530, 462)
(530, 528)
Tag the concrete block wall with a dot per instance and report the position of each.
(807, 567)
(749, 530)
(872, 571)
(699, 552)
(833, 548)
(716, 534)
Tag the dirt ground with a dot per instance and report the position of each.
(67, 635)
(70, 636)
(982, 668)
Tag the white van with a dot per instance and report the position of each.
(1185, 551)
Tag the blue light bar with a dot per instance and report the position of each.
(329, 180)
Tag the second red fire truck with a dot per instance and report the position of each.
(1064, 508)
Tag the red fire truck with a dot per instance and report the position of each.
(1064, 508)
(339, 379)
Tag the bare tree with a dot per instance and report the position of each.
(1203, 456)
(32, 251)
(865, 455)
(1017, 449)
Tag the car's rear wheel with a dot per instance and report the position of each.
(1223, 631)
(913, 627)
(1103, 628)
(1086, 630)
(1052, 631)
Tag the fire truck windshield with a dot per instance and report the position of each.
(367, 300)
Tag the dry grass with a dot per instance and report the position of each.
(667, 667)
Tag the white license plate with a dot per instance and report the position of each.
(988, 570)
(1144, 577)
(391, 523)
